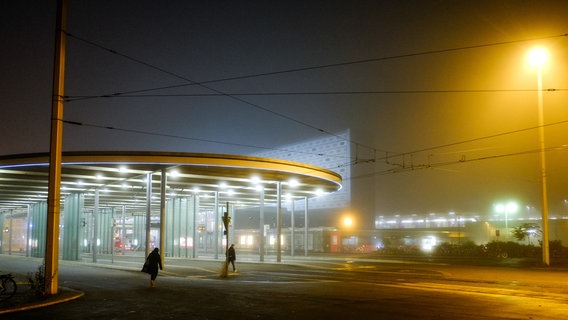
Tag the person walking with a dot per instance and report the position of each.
(154, 261)
(232, 256)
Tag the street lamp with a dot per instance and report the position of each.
(537, 58)
(510, 207)
(347, 222)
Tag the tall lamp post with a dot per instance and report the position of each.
(510, 207)
(537, 58)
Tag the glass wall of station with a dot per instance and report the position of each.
(189, 230)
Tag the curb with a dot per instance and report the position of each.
(65, 295)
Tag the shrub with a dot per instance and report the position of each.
(37, 282)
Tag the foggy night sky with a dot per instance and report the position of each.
(445, 83)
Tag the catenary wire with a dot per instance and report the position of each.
(202, 84)
(255, 105)
(300, 69)
(353, 161)
(75, 98)
(386, 157)
(455, 162)
(85, 124)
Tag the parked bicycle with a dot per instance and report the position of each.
(8, 286)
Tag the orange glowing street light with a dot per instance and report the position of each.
(347, 222)
(538, 57)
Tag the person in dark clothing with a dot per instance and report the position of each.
(232, 256)
(154, 261)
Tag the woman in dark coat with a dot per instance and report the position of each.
(232, 256)
(154, 261)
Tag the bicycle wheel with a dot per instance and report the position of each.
(9, 288)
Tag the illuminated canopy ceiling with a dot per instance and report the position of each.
(120, 178)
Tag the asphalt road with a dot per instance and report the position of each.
(303, 288)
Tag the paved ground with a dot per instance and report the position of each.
(117, 290)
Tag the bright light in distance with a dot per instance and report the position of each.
(428, 243)
(507, 208)
(293, 183)
(255, 179)
(174, 173)
(348, 222)
(537, 57)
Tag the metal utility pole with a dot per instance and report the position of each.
(544, 192)
(56, 142)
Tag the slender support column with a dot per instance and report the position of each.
(293, 227)
(226, 223)
(194, 229)
(184, 231)
(94, 245)
(262, 235)
(111, 234)
(306, 226)
(216, 219)
(148, 211)
(231, 238)
(279, 221)
(123, 235)
(11, 232)
(28, 231)
(56, 146)
(163, 214)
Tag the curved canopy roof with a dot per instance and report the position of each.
(121, 178)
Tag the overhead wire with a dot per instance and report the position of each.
(203, 85)
(346, 158)
(354, 161)
(473, 140)
(323, 66)
(236, 96)
(299, 93)
(447, 163)
(92, 125)
(413, 167)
